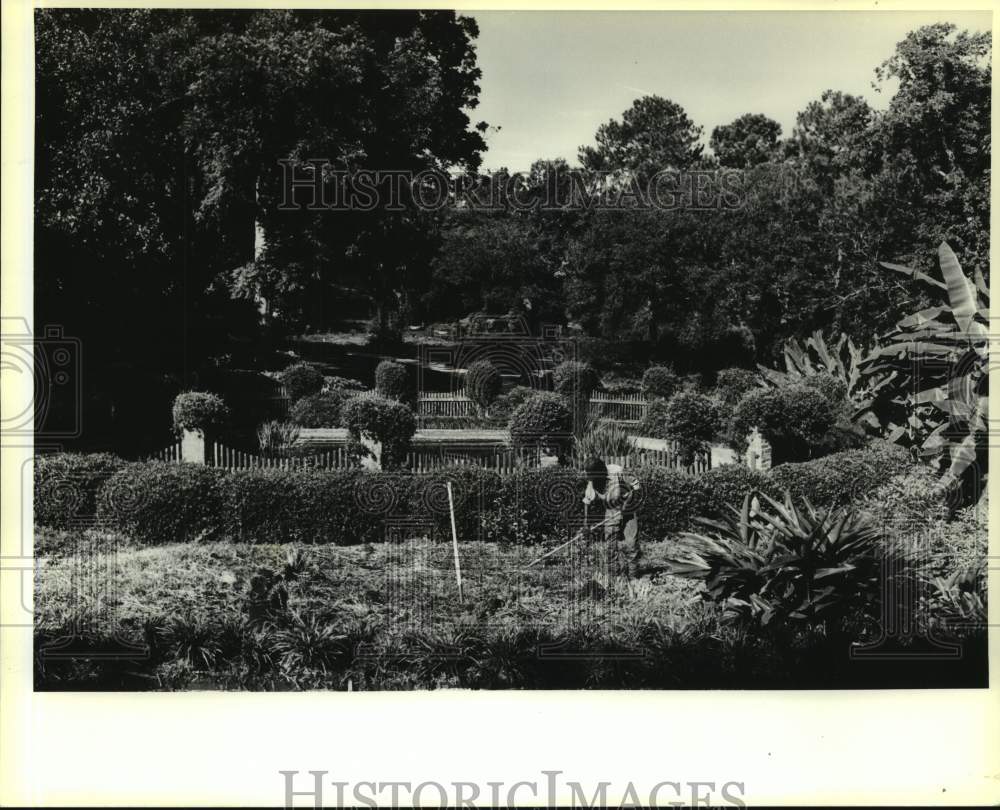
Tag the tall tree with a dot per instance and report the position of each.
(748, 141)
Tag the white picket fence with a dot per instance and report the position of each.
(617, 407)
(232, 459)
(172, 452)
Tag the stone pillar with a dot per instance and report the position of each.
(758, 454)
(195, 447)
(368, 462)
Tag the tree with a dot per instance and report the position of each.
(748, 141)
(654, 134)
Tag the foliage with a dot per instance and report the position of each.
(277, 438)
(603, 439)
(844, 477)
(543, 420)
(483, 383)
(654, 422)
(535, 504)
(320, 410)
(337, 383)
(937, 361)
(157, 502)
(66, 486)
(391, 380)
(660, 382)
(668, 501)
(748, 141)
(194, 410)
(785, 565)
(387, 421)
(301, 380)
(692, 420)
(506, 404)
(794, 419)
(729, 484)
(731, 384)
(474, 491)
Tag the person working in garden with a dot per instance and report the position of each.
(608, 485)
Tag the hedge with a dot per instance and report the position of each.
(160, 502)
(660, 382)
(729, 484)
(67, 484)
(535, 504)
(669, 501)
(301, 380)
(839, 478)
(320, 410)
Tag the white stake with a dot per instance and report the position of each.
(454, 540)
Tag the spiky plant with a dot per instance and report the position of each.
(309, 643)
(936, 363)
(780, 564)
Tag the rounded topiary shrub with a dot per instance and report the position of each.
(156, 502)
(390, 380)
(301, 380)
(691, 421)
(320, 410)
(335, 383)
(654, 423)
(660, 382)
(729, 484)
(383, 420)
(575, 380)
(544, 420)
(506, 404)
(483, 383)
(794, 419)
(732, 384)
(66, 486)
(196, 410)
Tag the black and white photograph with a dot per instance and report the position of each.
(421, 350)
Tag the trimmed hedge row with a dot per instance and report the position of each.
(160, 502)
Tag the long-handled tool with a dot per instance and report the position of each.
(573, 539)
(454, 540)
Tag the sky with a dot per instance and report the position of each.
(551, 78)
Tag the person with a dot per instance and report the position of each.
(617, 492)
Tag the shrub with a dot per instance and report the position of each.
(156, 502)
(613, 384)
(390, 380)
(840, 478)
(831, 387)
(301, 506)
(301, 380)
(691, 421)
(483, 383)
(335, 383)
(387, 421)
(535, 504)
(604, 439)
(668, 501)
(729, 484)
(506, 404)
(660, 382)
(732, 384)
(474, 490)
(575, 380)
(910, 500)
(544, 420)
(654, 423)
(66, 486)
(794, 419)
(195, 410)
(320, 410)
(276, 438)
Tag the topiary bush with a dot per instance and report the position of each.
(729, 484)
(196, 410)
(841, 478)
(382, 420)
(575, 380)
(301, 380)
(654, 422)
(794, 419)
(156, 502)
(390, 380)
(660, 382)
(67, 484)
(732, 384)
(506, 404)
(691, 421)
(544, 420)
(335, 383)
(483, 384)
(320, 410)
